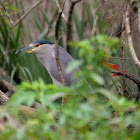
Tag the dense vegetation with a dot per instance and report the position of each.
(34, 110)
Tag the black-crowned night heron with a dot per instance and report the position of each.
(45, 53)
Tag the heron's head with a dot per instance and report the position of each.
(35, 47)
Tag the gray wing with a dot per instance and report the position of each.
(65, 58)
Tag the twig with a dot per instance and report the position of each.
(128, 86)
(119, 58)
(6, 12)
(57, 48)
(23, 16)
(3, 98)
(129, 37)
(94, 18)
(63, 15)
(47, 30)
(136, 81)
(69, 23)
(51, 24)
(125, 27)
(94, 15)
(111, 23)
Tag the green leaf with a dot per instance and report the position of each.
(18, 33)
(108, 94)
(37, 22)
(12, 74)
(73, 65)
(97, 78)
(45, 15)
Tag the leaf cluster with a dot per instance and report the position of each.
(103, 116)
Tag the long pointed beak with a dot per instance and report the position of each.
(26, 49)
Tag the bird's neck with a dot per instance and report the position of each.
(45, 58)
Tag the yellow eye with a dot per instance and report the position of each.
(37, 45)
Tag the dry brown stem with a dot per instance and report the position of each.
(69, 24)
(57, 48)
(136, 81)
(94, 14)
(23, 16)
(125, 27)
(63, 15)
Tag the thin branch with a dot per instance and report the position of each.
(100, 5)
(63, 15)
(119, 58)
(6, 12)
(51, 24)
(136, 81)
(128, 86)
(47, 30)
(125, 27)
(94, 15)
(57, 48)
(23, 16)
(129, 37)
(111, 23)
(69, 23)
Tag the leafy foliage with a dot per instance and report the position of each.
(10, 9)
(93, 119)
